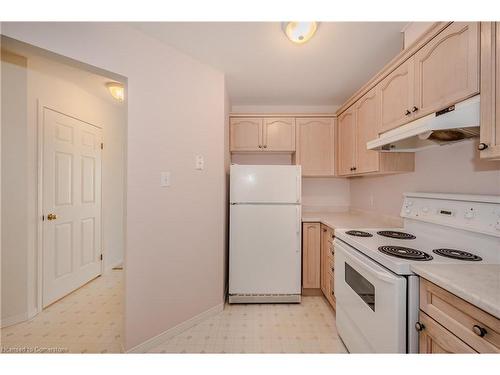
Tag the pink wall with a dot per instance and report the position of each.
(175, 241)
(447, 169)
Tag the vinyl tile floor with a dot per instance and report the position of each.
(308, 327)
(89, 320)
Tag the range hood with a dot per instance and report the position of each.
(452, 124)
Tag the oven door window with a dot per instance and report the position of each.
(363, 288)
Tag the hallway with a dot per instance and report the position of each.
(89, 320)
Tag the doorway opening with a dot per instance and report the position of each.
(63, 203)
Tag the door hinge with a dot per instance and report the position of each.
(101, 256)
(102, 146)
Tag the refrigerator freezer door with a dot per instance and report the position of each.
(265, 184)
(265, 254)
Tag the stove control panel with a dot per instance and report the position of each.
(473, 215)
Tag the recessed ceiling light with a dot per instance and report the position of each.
(116, 90)
(300, 32)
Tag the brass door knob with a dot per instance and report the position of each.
(51, 216)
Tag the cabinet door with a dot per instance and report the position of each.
(395, 93)
(324, 259)
(367, 126)
(315, 146)
(447, 68)
(279, 134)
(311, 253)
(346, 143)
(490, 90)
(246, 134)
(434, 338)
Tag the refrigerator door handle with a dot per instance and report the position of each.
(299, 222)
(299, 193)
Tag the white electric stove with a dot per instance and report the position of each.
(377, 294)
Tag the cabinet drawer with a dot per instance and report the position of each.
(434, 338)
(461, 318)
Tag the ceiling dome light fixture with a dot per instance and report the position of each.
(299, 32)
(116, 90)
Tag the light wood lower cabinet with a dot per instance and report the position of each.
(315, 146)
(311, 256)
(490, 91)
(435, 339)
(450, 324)
(318, 260)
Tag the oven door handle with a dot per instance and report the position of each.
(365, 263)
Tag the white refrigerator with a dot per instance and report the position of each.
(265, 234)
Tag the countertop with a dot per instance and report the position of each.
(352, 219)
(478, 284)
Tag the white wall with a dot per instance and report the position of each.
(447, 169)
(325, 194)
(14, 292)
(174, 244)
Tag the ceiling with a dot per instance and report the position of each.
(263, 67)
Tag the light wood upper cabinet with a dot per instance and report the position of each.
(311, 255)
(447, 68)
(396, 94)
(250, 134)
(279, 134)
(367, 125)
(246, 134)
(490, 91)
(315, 146)
(346, 143)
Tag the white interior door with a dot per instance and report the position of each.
(264, 253)
(71, 184)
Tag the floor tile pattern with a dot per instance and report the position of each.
(308, 327)
(89, 320)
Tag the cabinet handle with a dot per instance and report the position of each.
(265, 146)
(260, 146)
(478, 330)
(407, 112)
(333, 269)
(414, 109)
(419, 326)
(482, 146)
(353, 168)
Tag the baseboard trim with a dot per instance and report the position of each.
(11, 320)
(174, 331)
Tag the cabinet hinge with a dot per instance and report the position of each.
(102, 146)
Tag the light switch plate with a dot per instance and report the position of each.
(200, 162)
(164, 179)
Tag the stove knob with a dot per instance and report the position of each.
(408, 210)
(425, 210)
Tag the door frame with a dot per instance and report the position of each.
(39, 250)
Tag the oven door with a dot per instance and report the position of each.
(371, 303)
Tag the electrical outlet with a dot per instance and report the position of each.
(164, 179)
